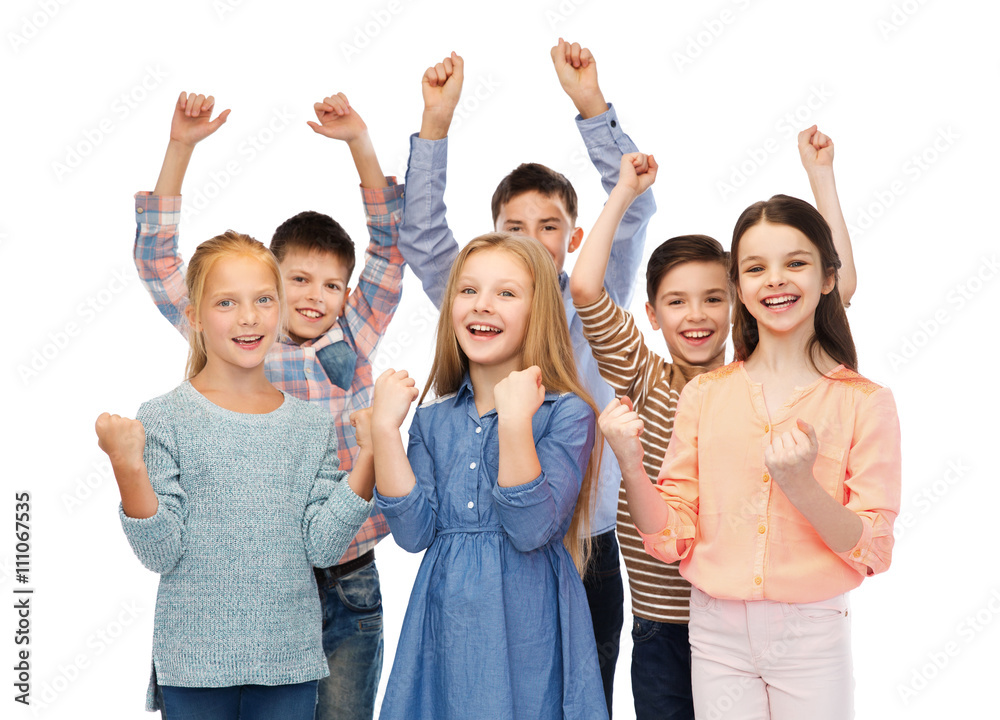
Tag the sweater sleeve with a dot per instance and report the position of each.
(334, 513)
(158, 541)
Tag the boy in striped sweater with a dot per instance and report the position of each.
(687, 287)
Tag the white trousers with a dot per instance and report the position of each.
(769, 660)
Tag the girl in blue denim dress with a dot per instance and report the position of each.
(495, 486)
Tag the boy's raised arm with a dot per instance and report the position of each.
(425, 240)
(816, 151)
(637, 174)
(372, 304)
(339, 121)
(190, 125)
(606, 143)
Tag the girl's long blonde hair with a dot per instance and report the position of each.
(228, 245)
(546, 344)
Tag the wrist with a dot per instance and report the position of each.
(435, 123)
(590, 104)
(361, 143)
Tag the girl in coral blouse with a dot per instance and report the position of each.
(780, 484)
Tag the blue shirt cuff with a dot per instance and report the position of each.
(428, 154)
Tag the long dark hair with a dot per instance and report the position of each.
(831, 331)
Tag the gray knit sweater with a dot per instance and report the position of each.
(247, 505)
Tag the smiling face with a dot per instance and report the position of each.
(316, 291)
(781, 279)
(544, 218)
(490, 309)
(691, 309)
(239, 314)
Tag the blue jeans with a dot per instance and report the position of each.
(240, 702)
(661, 670)
(606, 598)
(352, 641)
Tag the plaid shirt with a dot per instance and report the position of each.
(296, 368)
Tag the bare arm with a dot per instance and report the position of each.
(190, 125)
(638, 173)
(394, 392)
(123, 440)
(816, 151)
(339, 121)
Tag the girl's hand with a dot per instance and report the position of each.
(520, 394)
(815, 149)
(637, 173)
(191, 123)
(337, 119)
(361, 421)
(622, 427)
(122, 439)
(395, 391)
(791, 456)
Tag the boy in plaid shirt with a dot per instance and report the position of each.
(325, 358)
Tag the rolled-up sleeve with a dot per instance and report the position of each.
(873, 482)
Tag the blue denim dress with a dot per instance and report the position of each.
(498, 624)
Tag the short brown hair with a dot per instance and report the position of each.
(314, 231)
(677, 250)
(532, 176)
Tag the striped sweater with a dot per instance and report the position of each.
(654, 385)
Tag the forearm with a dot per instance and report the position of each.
(824, 189)
(588, 273)
(518, 457)
(138, 497)
(647, 508)
(590, 103)
(435, 122)
(175, 164)
(839, 527)
(425, 240)
(606, 144)
(362, 477)
(366, 162)
(393, 474)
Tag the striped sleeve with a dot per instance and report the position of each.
(615, 341)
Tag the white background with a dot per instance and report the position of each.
(716, 90)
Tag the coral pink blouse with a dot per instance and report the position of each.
(736, 534)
